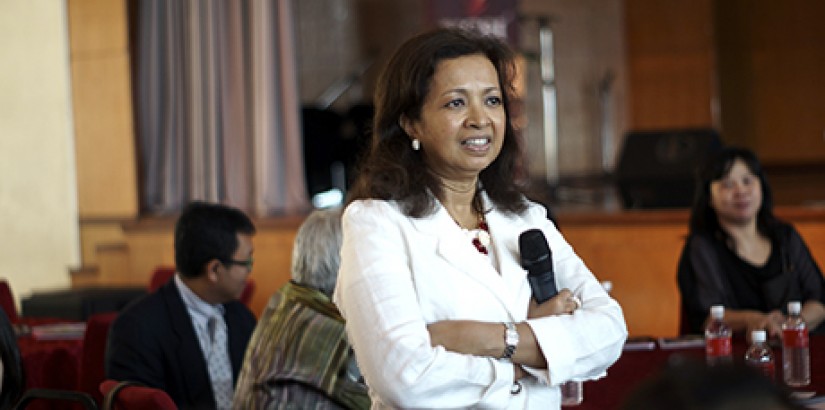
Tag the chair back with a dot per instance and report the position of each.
(13, 383)
(92, 361)
(7, 301)
(126, 395)
(160, 276)
(56, 396)
(248, 291)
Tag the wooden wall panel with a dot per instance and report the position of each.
(814, 234)
(151, 243)
(671, 63)
(641, 261)
(102, 101)
(771, 84)
(637, 250)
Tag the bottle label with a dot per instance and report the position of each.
(795, 337)
(718, 346)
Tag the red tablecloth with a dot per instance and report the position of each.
(636, 366)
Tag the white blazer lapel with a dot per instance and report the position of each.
(505, 233)
(454, 247)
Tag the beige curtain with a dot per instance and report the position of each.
(217, 106)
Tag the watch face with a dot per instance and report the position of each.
(510, 340)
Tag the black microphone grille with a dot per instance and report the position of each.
(533, 245)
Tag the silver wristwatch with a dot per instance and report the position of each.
(510, 340)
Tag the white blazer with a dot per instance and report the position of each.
(399, 274)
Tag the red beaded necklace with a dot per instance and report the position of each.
(482, 239)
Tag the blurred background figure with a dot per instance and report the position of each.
(688, 385)
(11, 370)
(188, 338)
(299, 356)
(739, 255)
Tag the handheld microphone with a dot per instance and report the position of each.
(537, 259)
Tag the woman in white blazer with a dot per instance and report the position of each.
(438, 309)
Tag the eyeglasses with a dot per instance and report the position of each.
(247, 263)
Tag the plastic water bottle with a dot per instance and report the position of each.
(759, 355)
(796, 361)
(718, 349)
(572, 393)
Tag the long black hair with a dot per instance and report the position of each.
(392, 170)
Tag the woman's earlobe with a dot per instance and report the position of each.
(404, 123)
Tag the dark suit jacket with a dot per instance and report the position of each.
(153, 342)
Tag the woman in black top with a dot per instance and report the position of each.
(740, 256)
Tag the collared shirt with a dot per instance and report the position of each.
(199, 312)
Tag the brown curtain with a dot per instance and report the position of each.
(217, 106)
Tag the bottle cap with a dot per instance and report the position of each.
(794, 307)
(717, 311)
(758, 336)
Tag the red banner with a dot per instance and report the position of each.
(493, 17)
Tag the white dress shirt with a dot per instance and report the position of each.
(215, 353)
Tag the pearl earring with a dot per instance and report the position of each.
(416, 144)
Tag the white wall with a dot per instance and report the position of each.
(39, 234)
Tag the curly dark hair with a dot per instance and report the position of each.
(392, 170)
(703, 218)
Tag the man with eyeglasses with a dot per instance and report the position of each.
(189, 337)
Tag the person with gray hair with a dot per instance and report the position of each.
(316, 252)
(299, 356)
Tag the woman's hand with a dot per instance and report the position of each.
(813, 313)
(773, 323)
(770, 322)
(749, 320)
(519, 372)
(563, 303)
